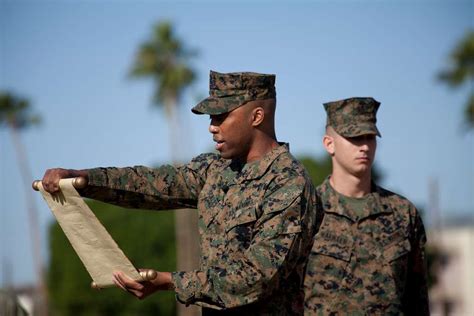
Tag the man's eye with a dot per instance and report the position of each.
(354, 138)
(361, 138)
(218, 118)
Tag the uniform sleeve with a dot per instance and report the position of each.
(275, 249)
(166, 187)
(416, 295)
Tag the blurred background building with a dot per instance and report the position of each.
(453, 292)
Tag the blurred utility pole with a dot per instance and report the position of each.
(433, 209)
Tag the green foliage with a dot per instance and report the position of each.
(469, 111)
(147, 239)
(164, 59)
(319, 169)
(461, 71)
(16, 112)
(462, 62)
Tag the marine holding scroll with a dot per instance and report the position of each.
(256, 206)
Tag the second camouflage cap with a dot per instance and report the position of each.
(353, 117)
(228, 91)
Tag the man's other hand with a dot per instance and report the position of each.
(162, 282)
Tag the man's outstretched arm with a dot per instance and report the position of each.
(166, 187)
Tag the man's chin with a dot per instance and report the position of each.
(362, 171)
(225, 154)
(229, 155)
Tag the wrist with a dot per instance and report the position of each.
(165, 281)
(79, 173)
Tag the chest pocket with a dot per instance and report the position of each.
(331, 253)
(338, 248)
(327, 266)
(239, 228)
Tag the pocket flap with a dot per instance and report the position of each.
(339, 249)
(397, 250)
(241, 216)
(281, 199)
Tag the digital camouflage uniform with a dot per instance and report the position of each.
(255, 219)
(369, 262)
(353, 117)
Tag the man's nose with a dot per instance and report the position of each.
(364, 146)
(213, 129)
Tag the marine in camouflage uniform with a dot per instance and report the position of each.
(368, 254)
(255, 218)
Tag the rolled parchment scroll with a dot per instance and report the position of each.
(95, 247)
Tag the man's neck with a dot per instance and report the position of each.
(351, 185)
(260, 148)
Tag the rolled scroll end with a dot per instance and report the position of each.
(79, 182)
(35, 185)
(95, 286)
(148, 275)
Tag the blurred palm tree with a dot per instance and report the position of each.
(460, 71)
(16, 115)
(165, 59)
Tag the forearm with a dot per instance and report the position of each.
(140, 187)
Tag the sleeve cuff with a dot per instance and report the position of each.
(187, 286)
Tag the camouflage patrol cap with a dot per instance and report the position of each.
(353, 117)
(228, 91)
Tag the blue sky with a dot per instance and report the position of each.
(71, 59)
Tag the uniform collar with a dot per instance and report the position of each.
(256, 169)
(332, 202)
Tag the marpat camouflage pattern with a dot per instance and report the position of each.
(256, 225)
(230, 90)
(367, 264)
(353, 117)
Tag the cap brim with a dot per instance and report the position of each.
(216, 106)
(359, 130)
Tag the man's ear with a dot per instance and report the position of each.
(258, 114)
(328, 143)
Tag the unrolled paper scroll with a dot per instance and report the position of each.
(95, 247)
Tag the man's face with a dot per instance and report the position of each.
(354, 155)
(233, 132)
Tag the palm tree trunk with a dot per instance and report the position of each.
(35, 236)
(186, 220)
